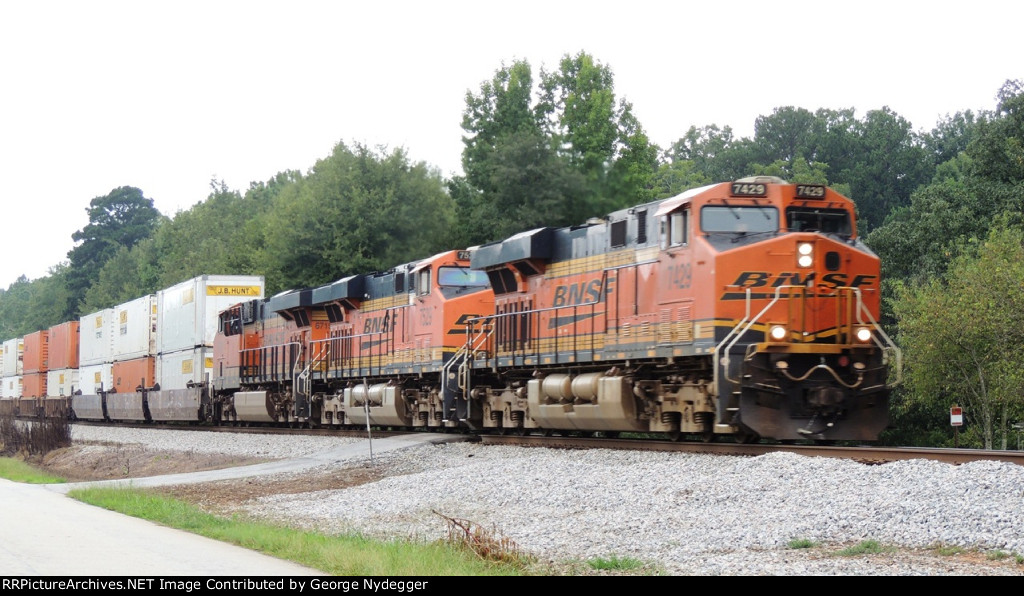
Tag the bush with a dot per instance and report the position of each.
(33, 437)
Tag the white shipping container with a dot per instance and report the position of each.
(188, 311)
(177, 369)
(95, 377)
(61, 382)
(96, 337)
(12, 387)
(14, 351)
(135, 329)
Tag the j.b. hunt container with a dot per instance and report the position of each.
(188, 311)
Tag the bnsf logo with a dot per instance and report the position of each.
(581, 293)
(378, 324)
(762, 279)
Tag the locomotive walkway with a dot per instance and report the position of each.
(45, 533)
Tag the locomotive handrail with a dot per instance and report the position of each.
(261, 366)
(747, 322)
(534, 313)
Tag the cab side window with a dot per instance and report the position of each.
(423, 282)
(675, 229)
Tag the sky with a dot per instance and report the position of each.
(168, 97)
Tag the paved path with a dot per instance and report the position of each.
(45, 533)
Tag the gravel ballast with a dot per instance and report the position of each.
(685, 514)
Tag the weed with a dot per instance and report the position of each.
(866, 547)
(486, 544)
(949, 551)
(797, 543)
(615, 563)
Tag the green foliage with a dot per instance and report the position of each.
(29, 306)
(801, 543)
(866, 547)
(356, 211)
(123, 218)
(615, 563)
(972, 322)
(574, 153)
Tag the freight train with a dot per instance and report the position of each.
(746, 309)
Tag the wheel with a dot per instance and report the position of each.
(675, 435)
(747, 437)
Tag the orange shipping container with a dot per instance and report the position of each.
(64, 346)
(33, 385)
(129, 374)
(36, 352)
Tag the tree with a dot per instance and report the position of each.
(515, 179)
(784, 135)
(122, 218)
(890, 165)
(29, 306)
(962, 334)
(997, 150)
(598, 134)
(356, 211)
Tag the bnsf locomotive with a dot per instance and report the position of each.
(747, 309)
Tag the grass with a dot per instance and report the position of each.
(19, 471)
(866, 547)
(800, 543)
(336, 555)
(615, 563)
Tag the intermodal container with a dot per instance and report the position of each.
(135, 329)
(177, 370)
(12, 387)
(33, 385)
(95, 378)
(36, 354)
(13, 350)
(188, 311)
(130, 374)
(64, 345)
(96, 338)
(62, 382)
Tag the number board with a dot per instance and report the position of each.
(810, 191)
(463, 255)
(749, 189)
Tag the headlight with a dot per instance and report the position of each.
(777, 333)
(805, 250)
(863, 334)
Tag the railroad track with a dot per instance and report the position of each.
(867, 454)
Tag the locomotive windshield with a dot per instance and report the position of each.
(747, 219)
(462, 277)
(828, 221)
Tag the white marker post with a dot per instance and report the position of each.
(956, 420)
